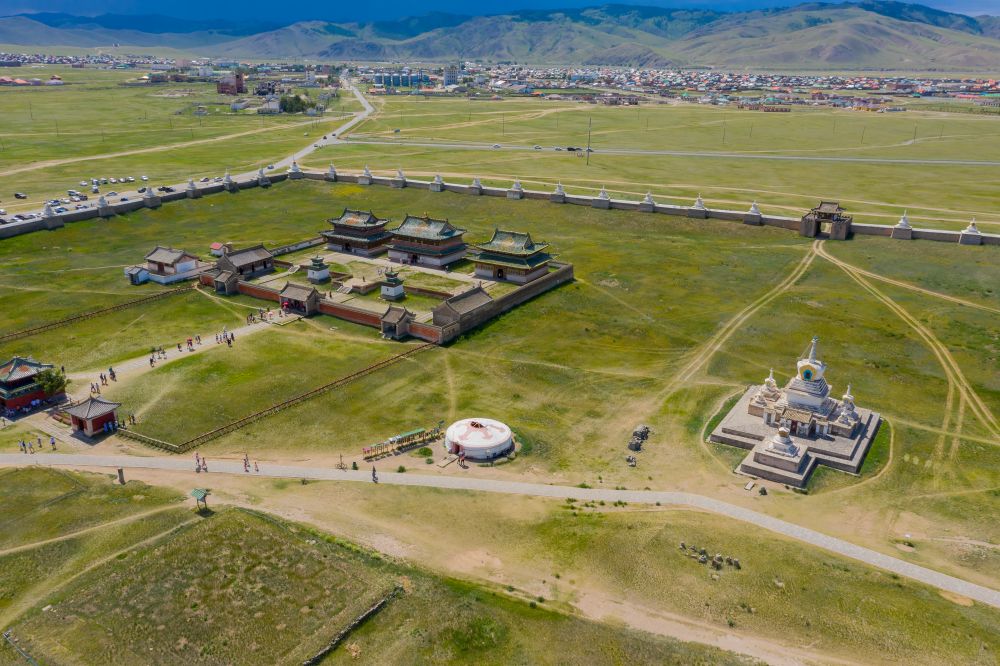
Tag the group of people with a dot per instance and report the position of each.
(201, 463)
(28, 446)
(95, 387)
(246, 464)
(225, 337)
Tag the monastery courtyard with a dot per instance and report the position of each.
(667, 323)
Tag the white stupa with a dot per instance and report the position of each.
(699, 203)
(517, 185)
(47, 211)
(149, 193)
(331, 172)
(754, 208)
(904, 222)
(227, 179)
(294, 168)
(559, 189)
(476, 184)
(603, 194)
(191, 185)
(648, 199)
(438, 180)
(102, 202)
(399, 174)
(782, 444)
(972, 228)
(367, 173)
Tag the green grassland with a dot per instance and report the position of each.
(199, 393)
(49, 132)
(576, 369)
(686, 127)
(240, 587)
(938, 195)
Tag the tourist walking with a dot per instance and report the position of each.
(374, 475)
(52, 441)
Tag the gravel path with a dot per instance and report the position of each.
(930, 577)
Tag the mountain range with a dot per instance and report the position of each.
(870, 34)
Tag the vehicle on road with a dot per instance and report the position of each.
(112, 180)
(124, 199)
(141, 190)
(112, 193)
(217, 179)
(144, 178)
(80, 206)
(2, 211)
(20, 195)
(130, 179)
(95, 190)
(61, 209)
(204, 180)
(537, 147)
(104, 181)
(270, 166)
(315, 145)
(496, 145)
(83, 183)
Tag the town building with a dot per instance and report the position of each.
(358, 232)
(91, 416)
(424, 241)
(511, 256)
(19, 385)
(165, 265)
(395, 322)
(791, 430)
(245, 264)
(450, 76)
(232, 84)
(299, 299)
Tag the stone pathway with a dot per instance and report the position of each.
(841, 547)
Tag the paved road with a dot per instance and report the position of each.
(839, 546)
(673, 153)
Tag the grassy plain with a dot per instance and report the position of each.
(241, 587)
(939, 195)
(93, 126)
(576, 369)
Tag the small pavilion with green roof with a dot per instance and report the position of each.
(511, 256)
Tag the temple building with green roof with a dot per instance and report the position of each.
(425, 241)
(511, 256)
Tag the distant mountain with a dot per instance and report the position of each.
(870, 34)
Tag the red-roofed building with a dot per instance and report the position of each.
(19, 382)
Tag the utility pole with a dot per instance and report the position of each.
(863, 130)
(590, 123)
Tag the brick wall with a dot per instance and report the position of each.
(349, 313)
(257, 291)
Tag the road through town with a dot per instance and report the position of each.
(651, 497)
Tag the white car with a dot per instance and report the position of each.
(538, 147)
(2, 211)
(83, 183)
(145, 178)
(112, 180)
(130, 179)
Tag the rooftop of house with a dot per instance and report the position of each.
(168, 255)
(358, 218)
(395, 314)
(248, 255)
(467, 301)
(297, 292)
(427, 228)
(91, 408)
(21, 367)
(512, 242)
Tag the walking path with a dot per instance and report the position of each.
(930, 577)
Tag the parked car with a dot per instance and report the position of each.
(61, 209)
(130, 179)
(124, 199)
(82, 197)
(80, 206)
(141, 190)
(112, 193)
(112, 180)
(20, 216)
(145, 178)
(95, 190)
(104, 181)
(3, 221)
(217, 179)
(20, 195)
(2, 211)
(83, 183)
(270, 166)
(204, 180)
(496, 145)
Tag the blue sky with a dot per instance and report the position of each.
(390, 9)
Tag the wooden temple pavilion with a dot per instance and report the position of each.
(90, 416)
(244, 264)
(425, 241)
(299, 299)
(358, 232)
(19, 385)
(511, 256)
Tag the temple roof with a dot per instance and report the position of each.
(427, 228)
(247, 255)
(829, 207)
(512, 242)
(395, 314)
(297, 292)
(91, 408)
(358, 218)
(466, 301)
(20, 367)
(168, 255)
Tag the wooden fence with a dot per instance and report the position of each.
(273, 409)
(94, 313)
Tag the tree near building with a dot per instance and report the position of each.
(52, 381)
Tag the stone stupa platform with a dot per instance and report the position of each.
(847, 454)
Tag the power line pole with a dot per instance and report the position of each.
(590, 123)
